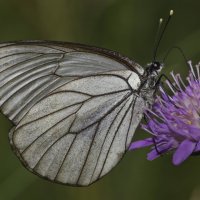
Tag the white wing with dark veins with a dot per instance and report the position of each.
(74, 108)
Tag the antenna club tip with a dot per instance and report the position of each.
(171, 12)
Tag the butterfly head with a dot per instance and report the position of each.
(154, 68)
(151, 77)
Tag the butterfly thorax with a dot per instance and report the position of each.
(150, 85)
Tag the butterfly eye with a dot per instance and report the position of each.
(155, 66)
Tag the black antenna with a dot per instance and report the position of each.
(161, 35)
(157, 36)
(179, 50)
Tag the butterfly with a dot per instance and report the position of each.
(74, 107)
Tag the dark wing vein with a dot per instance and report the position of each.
(23, 62)
(108, 112)
(31, 71)
(51, 127)
(91, 143)
(34, 95)
(23, 87)
(131, 121)
(58, 139)
(114, 138)
(105, 139)
(68, 149)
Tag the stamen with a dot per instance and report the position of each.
(197, 69)
(161, 101)
(170, 86)
(153, 113)
(176, 80)
(147, 115)
(181, 80)
(163, 92)
(162, 115)
(149, 131)
(164, 103)
(191, 68)
(189, 80)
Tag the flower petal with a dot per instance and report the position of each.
(184, 150)
(153, 155)
(141, 143)
(194, 131)
(197, 147)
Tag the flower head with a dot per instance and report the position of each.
(174, 121)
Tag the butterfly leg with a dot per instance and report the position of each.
(159, 82)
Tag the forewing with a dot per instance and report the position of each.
(31, 70)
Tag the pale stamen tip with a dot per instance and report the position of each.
(160, 20)
(171, 12)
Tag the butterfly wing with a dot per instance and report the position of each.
(73, 108)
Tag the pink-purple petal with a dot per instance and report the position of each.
(152, 155)
(141, 143)
(184, 150)
(197, 147)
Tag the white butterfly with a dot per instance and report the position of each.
(74, 108)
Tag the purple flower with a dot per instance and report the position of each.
(174, 120)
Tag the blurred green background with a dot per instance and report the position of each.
(127, 26)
